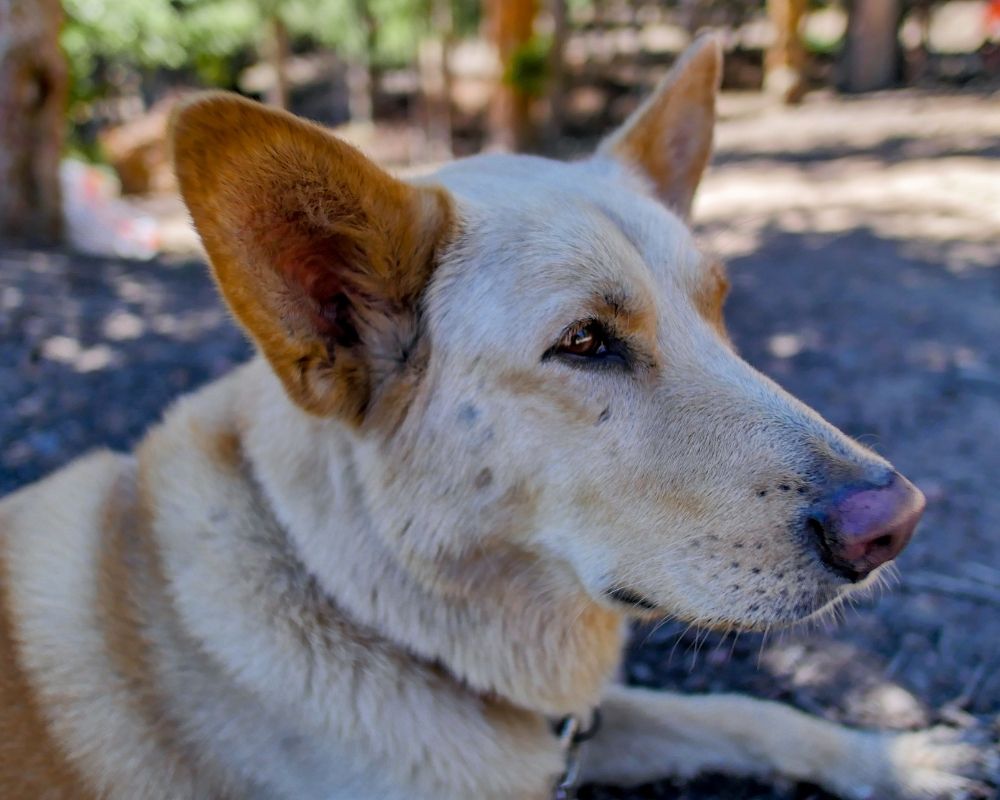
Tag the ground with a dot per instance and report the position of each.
(863, 238)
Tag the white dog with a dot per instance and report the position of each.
(495, 414)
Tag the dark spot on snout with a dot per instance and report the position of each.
(468, 414)
(605, 415)
(483, 479)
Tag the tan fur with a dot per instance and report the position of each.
(377, 561)
(666, 139)
(32, 764)
(293, 219)
(710, 296)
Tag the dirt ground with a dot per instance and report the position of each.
(863, 238)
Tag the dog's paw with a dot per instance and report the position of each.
(938, 764)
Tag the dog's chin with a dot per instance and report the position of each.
(824, 604)
(644, 608)
(830, 606)
(820, 604)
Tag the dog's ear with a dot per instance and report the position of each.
(668, 139)
(321, 255)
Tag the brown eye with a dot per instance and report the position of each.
(585, 339)
(587, 344)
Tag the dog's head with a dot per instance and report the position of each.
(530, 357)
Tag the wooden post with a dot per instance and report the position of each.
(276, 49)
(785, 60)
(872, 53)
(33, 91)
(557, 67)
(360, 75)
(436, 83)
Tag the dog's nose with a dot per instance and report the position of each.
(863, 527)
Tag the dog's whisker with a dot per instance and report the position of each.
(736, 638)
(763, 644)
(682, 637)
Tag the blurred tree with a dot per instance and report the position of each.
(176, 34)
(557, 67)
(33, 83)
(113, 45)
(435, 80)
(512, 26)
(105, 39)
(276, 49)
(872, 57)
(785, 59)
(361, 75)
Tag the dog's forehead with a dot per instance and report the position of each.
(528, 218)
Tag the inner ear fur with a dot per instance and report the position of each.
(668, 139)
(321, 255)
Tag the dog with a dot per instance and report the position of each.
(494, 416)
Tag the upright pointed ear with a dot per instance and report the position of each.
(668, 139)
(321, 255)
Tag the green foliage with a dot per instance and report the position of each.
(202, 35)
(143, 34)
(467, 15)
(528, 68)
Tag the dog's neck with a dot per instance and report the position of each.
(497, 621)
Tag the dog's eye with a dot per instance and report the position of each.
(587, 339)
(589, 344)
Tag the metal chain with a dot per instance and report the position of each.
(571, 737)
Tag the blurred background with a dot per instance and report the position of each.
(855, 194)
(91, 82)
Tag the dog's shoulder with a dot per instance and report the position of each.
(61, 493)
(45, 531)
(49, 528)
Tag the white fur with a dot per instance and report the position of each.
(304, 608)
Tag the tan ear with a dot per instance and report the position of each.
(668, 139)
(321, 255)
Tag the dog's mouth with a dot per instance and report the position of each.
(634, 600)
(807, 606)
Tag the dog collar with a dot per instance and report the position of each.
(572, 734)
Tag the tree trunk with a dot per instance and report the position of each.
(435, 82)
(785, 60)
(512, 25)
(361, 79)
(872, 54)
(33, 91)
(276, 49)
(557, 67)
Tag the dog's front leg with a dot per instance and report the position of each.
(648, 734)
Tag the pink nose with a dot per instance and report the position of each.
(864, 527)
